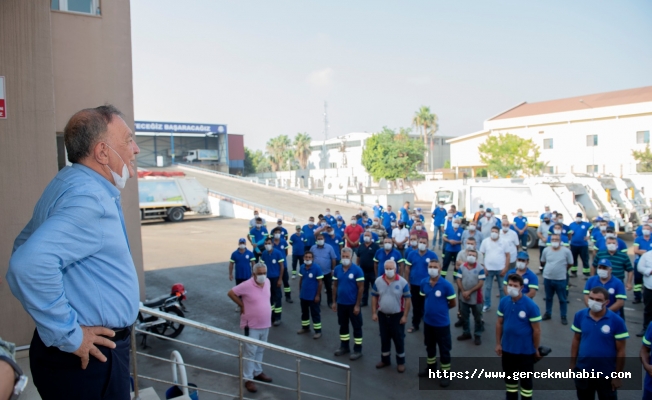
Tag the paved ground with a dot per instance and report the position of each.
(194, 252)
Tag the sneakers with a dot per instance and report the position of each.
(545, 317)
(459, 323)
(564, 321)
(302, 331)
(477, 340)
(464, 336)
(355, 355)
(289, 300)
(341, 351)
(316, 335)
(486, 308)
(445, 382)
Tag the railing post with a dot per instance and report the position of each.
(298, 379)
(348, 384)
(134, 361)
(241, 369)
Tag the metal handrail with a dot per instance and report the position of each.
(274, 212)
(241, 341)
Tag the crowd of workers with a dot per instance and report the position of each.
(392, 259)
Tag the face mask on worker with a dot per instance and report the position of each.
(268, 247)
(413, 243)
(612, 246)
(387, 246)
(433, 272)
(470, 247)
(277, 236)
(646, 232)
(505, 226)
(450, 215)
(367, 239)
(327, 212)
(603, 228)
(513, 291)
(259, 225)
(455, 225)
(339, 223)
(520, 265)
(520, 213)
(120, 180)
(308, 262)
(346, 262)
(261, 278)
(471, 259)
(578, 220)
(595, 305)
(472, 228)
(418, 227)
(422, 246)
(311, 222)
(488, 215)
(241, 246)
(603, 273)
(557, 231)
(320, 242)
(354, 222)
(554, 245)
(494, 235)
(390, 273)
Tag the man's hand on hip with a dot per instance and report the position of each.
(94, 335)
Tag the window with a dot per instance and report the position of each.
(549, 170)
(332, 165)
(445, 195)
(643, 137)
(591, 140)
(547, 144)
(78, 6)
(591, 169)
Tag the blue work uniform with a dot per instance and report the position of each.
(520, 222)
(310, 278)
(242, 264)
(614, 286)
(405, 215)
(347, 283)
(562, 237)
(453, 234)
(598, 342)
(378, 210)
(309, 235)
(518, 317)
(284, 232)
(281, 246)
(564, 229)
(436, 301)
(647, 342)
(272, 260)
(530, 280)
(330, 220)
(579, 231)
(600, 243)
(298, 244)
(258, 237)
(382, 256)
(388, 218)
(336, 243)
(419, 265)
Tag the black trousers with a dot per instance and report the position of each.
(438, 336)
(310, 309)
(581, 252)
(58, 375)
(328, 284)
(647, 311)
(588, 388)
(417, 305)
(286, 284)
(275, 298)
(369, 279)
(391, 330)
(344, 316)
(450, 256)
(517, 363)
(296, 263)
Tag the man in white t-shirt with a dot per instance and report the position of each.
(510, 239)
(400, 236)
(496, 262)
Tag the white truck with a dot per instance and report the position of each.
(171, 198)
(201, 155)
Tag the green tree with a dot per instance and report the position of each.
(255, 162)
(392, 155)
(302, 148)
(447, 164)
(505, 155)
(644, 159)
(278, 151)
(427, 124)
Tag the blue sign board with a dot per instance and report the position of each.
(179, 127)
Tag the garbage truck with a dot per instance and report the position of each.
(201, 155)
(171, 198)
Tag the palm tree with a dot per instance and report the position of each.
(424, 121)
(302, 148)
(277, 148)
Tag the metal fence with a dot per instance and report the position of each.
(337, 387)
(274, 212)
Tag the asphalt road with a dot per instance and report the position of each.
(205, 277)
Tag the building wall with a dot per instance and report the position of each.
(56, 64)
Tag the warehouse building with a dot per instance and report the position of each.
(592, 134)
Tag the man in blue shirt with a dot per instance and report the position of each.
(298, 249)
(243, 260)
(615, 287)
(453, 239)
(416, 270)
(309, 233)
(366, 253)
(71, 267)
(336, 241)
(518, 332)
(439, 297)
(324, 256)
(388, 252)
(330, 220)
(310, 286)
(438, 217)
(378, 210)
(274, 260)
(284, 232)
(348, 282)
(281, 245)
(339, 226)
(642, 244)
(579, 245)
(387, 218)
(405, 212)
(257, 235)
(598, 345)
(530, 279)
(520, 226)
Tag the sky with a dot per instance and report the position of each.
(265, 68)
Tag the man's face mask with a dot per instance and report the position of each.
(120, 180)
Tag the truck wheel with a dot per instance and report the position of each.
(176, 214)
(532, 238)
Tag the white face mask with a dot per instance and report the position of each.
(520, 265)
(646, 232)
(557, 231)
(422, 246)
(471, 259)
(595, 306)
(241, 246)
(554, 244)
(612, 247)
(471, 228)
(390, 273)
(307, 262)
(328, 213)
(320, 242)
(393, 223)
(520, 214)
(494, 235)
(339, 223)
(560, 220)
(353, 222)
(367, 239)
(578, 220)
(120, 181)
(505, 226)
(488, 215)
(513, 291)
(418, 227)
(603, 228)
(413, 243)
(311, 222)
(268, 247)
(277, 236)
(455, 226)
(450, 215)
(346, 262)
(433, 272)
(470, 247)
(259, 225)
(261, 278)
(603, 273)
(387, 246)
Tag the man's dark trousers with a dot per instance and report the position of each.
(58, 375)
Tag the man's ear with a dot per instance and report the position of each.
(100, 153)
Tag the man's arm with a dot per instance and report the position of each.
(575, 347)
(334, 294)
(644, 354)
(356, 308)
(406, 310)
(620, 363)
(231, 270)
(536, 335)
(237, 300)
(374, 308)
(320, 287)
(615, 306)
(499, 336)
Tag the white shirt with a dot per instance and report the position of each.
(510, 240)
(645, 268)
(400, 234)
(494, 254)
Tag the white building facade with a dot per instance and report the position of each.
(587, 134)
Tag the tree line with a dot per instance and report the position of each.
(281, 154)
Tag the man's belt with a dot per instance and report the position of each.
(120, 334)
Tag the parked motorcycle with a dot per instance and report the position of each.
(171, 304)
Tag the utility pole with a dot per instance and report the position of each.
(324, 153)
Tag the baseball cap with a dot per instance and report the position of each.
(242, 240)
(578, 215)
(481, 205)
(547, 215)
(606, 262)
(489, 209)
(298, 227)
(418, 208)
(599, 219)
(522, 255)
(339, 217)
